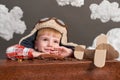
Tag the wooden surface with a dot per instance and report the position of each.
(58, 70)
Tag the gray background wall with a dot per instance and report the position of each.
(81, 29)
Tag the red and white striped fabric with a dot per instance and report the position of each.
(19, 52)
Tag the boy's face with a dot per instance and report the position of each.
(47, 42)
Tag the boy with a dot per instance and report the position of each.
(48, 37)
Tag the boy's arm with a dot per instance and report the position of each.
(19, 52)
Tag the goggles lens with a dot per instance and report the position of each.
(44, 19)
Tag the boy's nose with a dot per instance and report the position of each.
(50, 44)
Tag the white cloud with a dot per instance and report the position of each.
(76, 3)
(105, 11)
(10, 22)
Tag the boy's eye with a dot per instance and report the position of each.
(56, 41)
(45, 39)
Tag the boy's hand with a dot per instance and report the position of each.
(58, 51)
(62, 51)
(37, 54)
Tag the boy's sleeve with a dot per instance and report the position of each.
(19, 52)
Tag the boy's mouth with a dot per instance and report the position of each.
(50, 50)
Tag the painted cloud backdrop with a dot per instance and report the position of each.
(10, 22)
